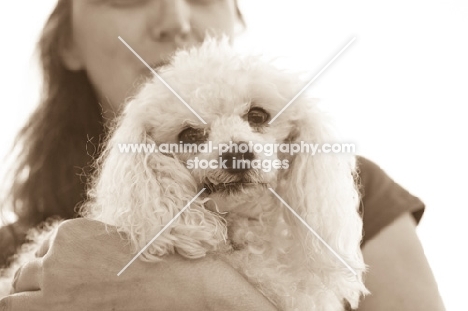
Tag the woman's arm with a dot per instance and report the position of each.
(399, 276)
(78, 271)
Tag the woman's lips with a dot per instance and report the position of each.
(155, 66)
(159, 64)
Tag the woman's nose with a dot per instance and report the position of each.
(171, 23)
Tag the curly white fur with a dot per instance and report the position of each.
(140, 193)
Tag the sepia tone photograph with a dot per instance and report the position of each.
(233, 155)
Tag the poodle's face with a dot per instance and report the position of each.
(237, 98)
(237, 170)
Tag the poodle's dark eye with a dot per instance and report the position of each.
(193, 135)
(257, 116)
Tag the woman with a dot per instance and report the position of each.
(88, 73)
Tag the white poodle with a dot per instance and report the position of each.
(237, 216)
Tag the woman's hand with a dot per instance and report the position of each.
(78, 271)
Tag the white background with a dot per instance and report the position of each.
(400, 92)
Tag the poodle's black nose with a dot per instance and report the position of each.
(237, 162)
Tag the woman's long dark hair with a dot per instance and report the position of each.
(56, 147)
(57, 144)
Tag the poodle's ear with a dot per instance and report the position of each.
(321, 189)
(141, 192)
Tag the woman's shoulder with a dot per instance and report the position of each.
(382, 199)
